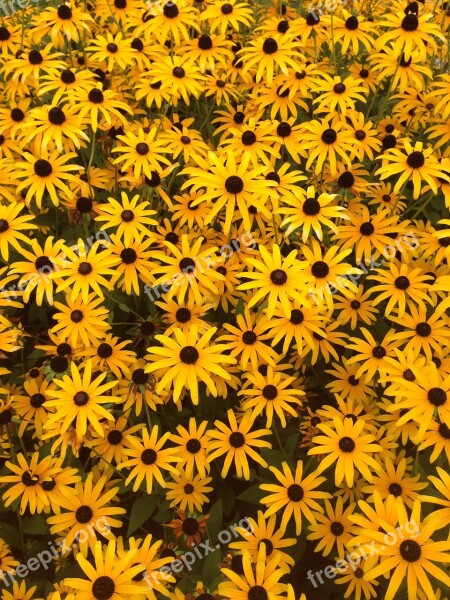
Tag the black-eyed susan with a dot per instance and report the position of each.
(298, 328)
(400, 285)
(188, 528)
(333, 529)
(109, 578)
(97, 105)
(327, 272)
(337, 95)
(324, 141)
(180, 75)
(82, 267)
(80, 398)
(247, 339)
(268, 55)
(296, 495)
(409, 32)
(371, 353)
(262, 531)
(131, 216)
(356, 307)
(188, 492)
(142, 151)
(437, 437)
(228, 184)
(111, 446)
(58, 125)
(411, 555)
(357, 585)
(192, 446)
(397, 482)
(423, 334)
(30, 407)
(172, 20)
(415, 163)
(45, 171)
(238, 443)
(183, 315)
(78, 321)
(368, 234)
(264, 580)
(226, 15)
(427, 394)
(344, 444)
(19, 591)
(134, 266)
(270, 394)
(29, 66)
(12, 227)
(7, 560)
(256, 140)
(279, 279)
(311, 213)
(112, 50)
(147, 459)
(29, 474)
(209, 51)
(350, 31)
(110, 354)
(138, 390)
(66, 22)
(36, 269)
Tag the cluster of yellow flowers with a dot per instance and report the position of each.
(225, 246)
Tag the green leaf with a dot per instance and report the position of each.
(164, 513)
(210, 566)
(253, 495)
(10, 535)
(124, 307)
(215, 520)
(35, 525)
(240, 306)
(291, 444)
(142, 509)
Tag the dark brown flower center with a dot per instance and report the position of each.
(189, 355)
(84, 514)
(236, 439)
(295, 492)
(410, 551)
(346, 444)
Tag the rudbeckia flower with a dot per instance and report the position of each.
(147, 458)
(189, 358)
(296, 495)
(12, 224)
(79, 399)
(414, 163)
(109, 577)
(411, 555)
(345, 445)
(279, 278)
(333, 528)
(46, 171)
(27, 479)
(229, 183)
(268, 394)
(238, 443)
